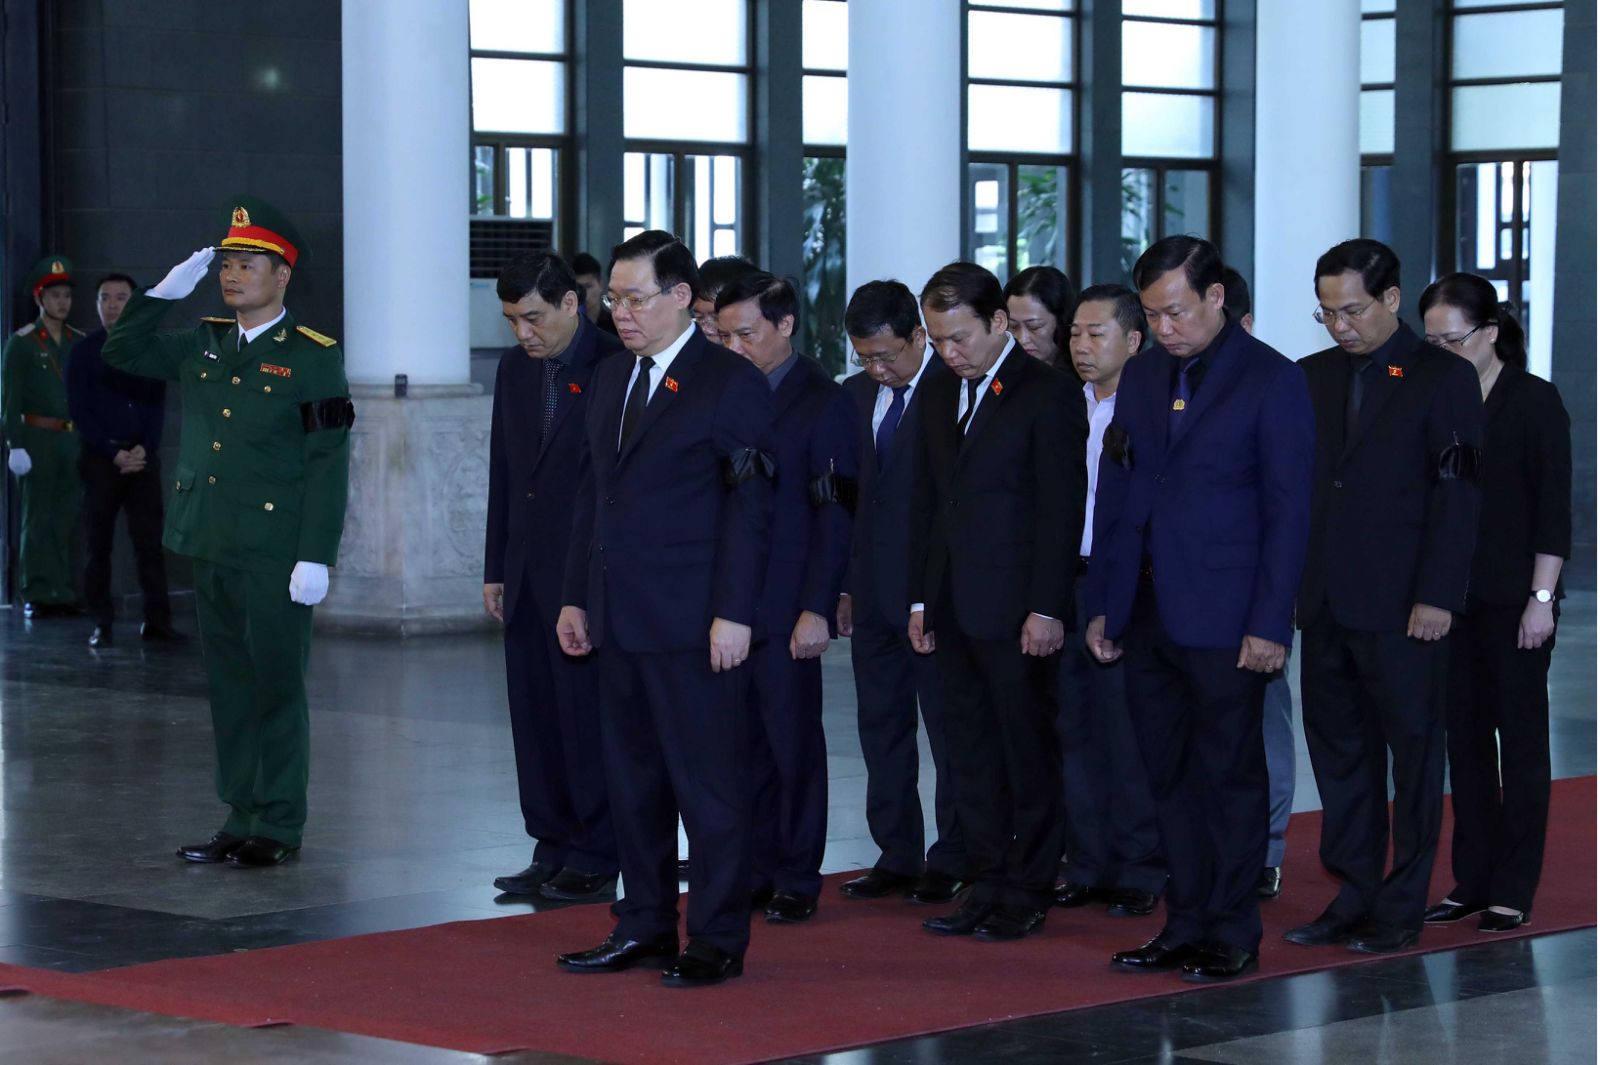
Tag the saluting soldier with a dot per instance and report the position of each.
(44, 447)
(258, 503)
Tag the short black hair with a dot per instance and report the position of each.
(965, 284)
(543, 272)
(1374, 260)
(584, 263)
(1202, 265)
(1235, 294)
(1052, 288)
(882, 304)
(1125, 307)
(1475, 297)
(669, 259)
(774, 295)
(124, 278)
(716, 274)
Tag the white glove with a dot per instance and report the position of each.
(181, 279)
(308, 584)
(19, 462)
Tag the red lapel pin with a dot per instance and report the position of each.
(1395, 371)
(672, 386)
(575, 388)
(996, 387)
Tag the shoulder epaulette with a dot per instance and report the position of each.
(217, 321)
(25, 330)
(326, 342)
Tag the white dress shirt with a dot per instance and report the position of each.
(247, 335)
(880, 406)
(1100, 412)
(983, 385)
(658, 372)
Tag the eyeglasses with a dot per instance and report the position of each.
(1454, 342)
(634, 304)
(1324, 316)
(873, 360)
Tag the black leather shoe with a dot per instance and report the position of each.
(575, 885)
(1325, 931)
(1218, 961)
(259, 851)
(1378, 938)
(150, 632)
(877, 884)
(1502, 922)
(701, 965)
(936, 888)
(1131, 902)
(790, 907)
(962, 922)
(1163, 952)
(527, 882)
(1007, 924)
(216, 849)
(1449, 912)
(101, 636)
(1071, 896)
(617, 954)
(1270, 886)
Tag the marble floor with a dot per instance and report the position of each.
(105, 766)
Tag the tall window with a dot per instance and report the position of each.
(686, 120)
(824, 47)
(519, 127)
(1504, 119)
(1170, 58)
(1377, 117)
(1021, 70)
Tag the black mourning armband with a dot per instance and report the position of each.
(744, 464)
(1117, 446)
(1458, 462)
(834, 487)
(336, 413)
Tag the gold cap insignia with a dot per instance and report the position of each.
(241, 217)
(57, 268)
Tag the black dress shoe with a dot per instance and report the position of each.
(1378, 938)
(151, 632)
(529, 881)
(1448, 912)
(1007, 924)
(963, 922)
(1218, 961)
(936, 888)
(1325, 931)
(877, 884)
(790, 907)
(216, 849)
(1165, 951)
(259, 851)
(1131, 902)
(618, 953)
(575, 885)
(1270, 886)
(1071, 896)
(101, 636)
(701, 965)
(1502, 922)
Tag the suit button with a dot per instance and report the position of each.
(1338, 484)
(610, 500)
(1161, 478)
(216, 445)
(530, 495)
(211, 480)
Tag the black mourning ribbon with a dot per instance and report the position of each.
(1458, 462)
(746, 463)
(336, 413)
(1117, 446)
(834, 487)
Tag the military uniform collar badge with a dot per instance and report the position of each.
(281, 335)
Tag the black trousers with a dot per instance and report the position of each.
(1364, 697)
(107, 490)
(1000, 710)
(675, 738)
(1501, 797)
(1198, 719)
(892, 683)
(555, 732)
(789, 769)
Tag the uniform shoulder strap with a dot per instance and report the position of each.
(217, 321)
(325, 341)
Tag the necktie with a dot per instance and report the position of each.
(891, 419)
(1352, 407)
(552, 370)
(972, 405)
(633, 410)
(1184, 395)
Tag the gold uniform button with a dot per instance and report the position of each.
(216, 445)
(266, 388)
(203, 375)
(266, 506)
(211, 480)
(226, 413)
(235, 380)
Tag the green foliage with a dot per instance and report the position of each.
(1041, 224)
(822, 192)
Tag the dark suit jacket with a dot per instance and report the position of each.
(1526, 483)
(1387, 532)
(998, 512)
(810, 543)
(661, 543)
(532, 488)
(1221, 507)
(878, 560)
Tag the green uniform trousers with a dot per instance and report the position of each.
(257, 642)
(50, 498)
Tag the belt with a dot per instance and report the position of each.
(40, 421)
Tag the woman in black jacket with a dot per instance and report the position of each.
(1500, 653)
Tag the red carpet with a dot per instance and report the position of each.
(860, 972)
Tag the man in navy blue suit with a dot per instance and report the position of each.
(1200, 526)
(669, 549)
(818, 466)
(540, 396)
(892, 681)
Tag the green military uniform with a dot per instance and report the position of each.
(35, 411)
(260, 485)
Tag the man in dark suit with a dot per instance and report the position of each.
(1200, 527)
(893, 681)
(1393, 522)
(535, 447)
(997, 505)
(818, 466)
(669, 548)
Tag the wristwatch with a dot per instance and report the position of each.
(1543, 595)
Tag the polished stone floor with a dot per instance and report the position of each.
(105, 767)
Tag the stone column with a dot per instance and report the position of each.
(1308, 159)
(412, 556)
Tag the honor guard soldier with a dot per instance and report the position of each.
(258, 502)
(44, 447)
